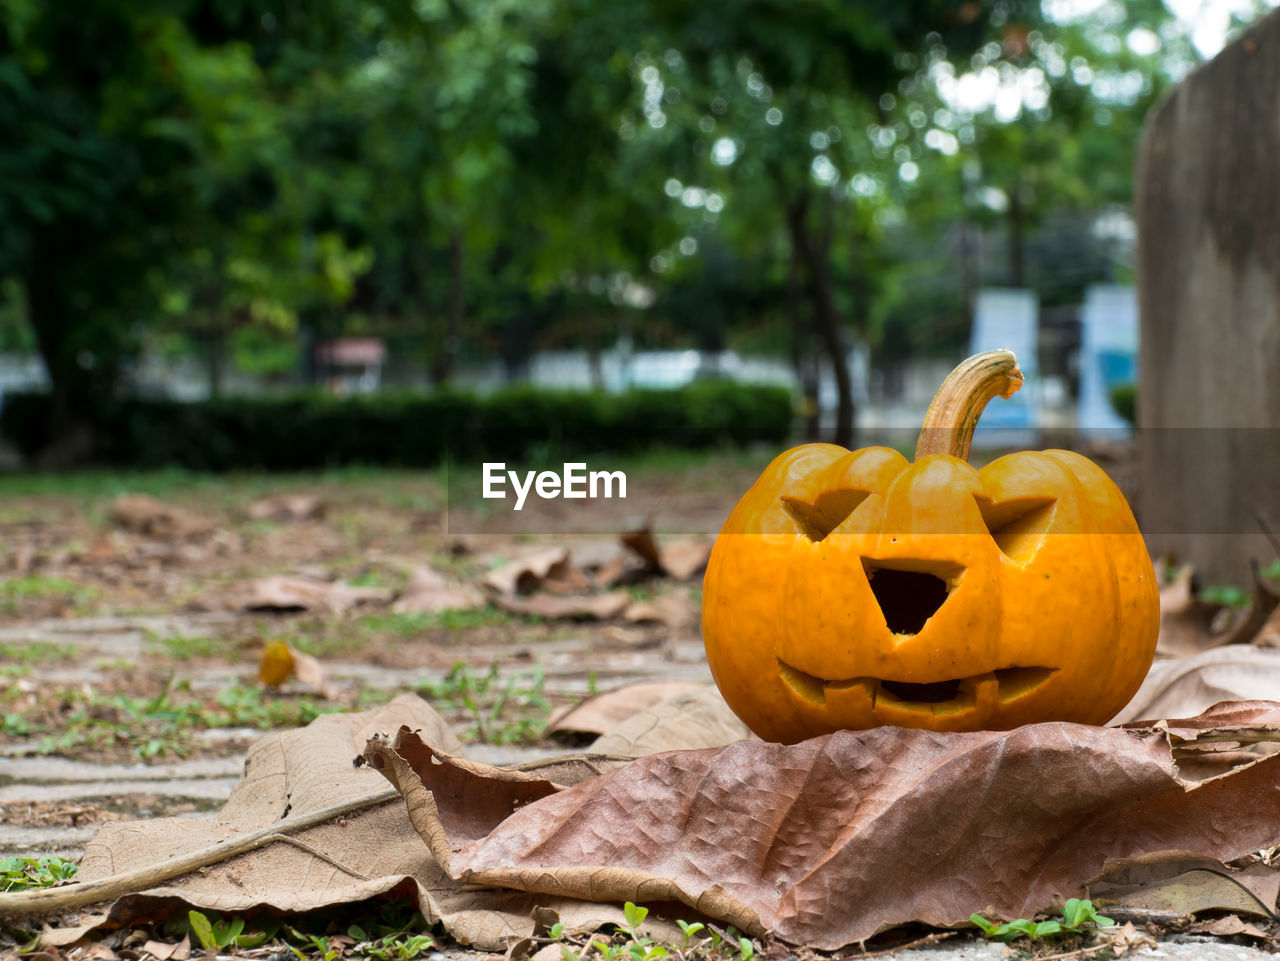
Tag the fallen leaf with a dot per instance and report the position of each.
(429, 592)
(286, 593)
(1125, 939)
(682, 722)
(671, 610)
(288, 507)
(280, 662)
(606, 710)
(683, 558)
(346, 859)
(526, 572)
(826, 842)
(598, 607)
(146, 515)
(1269, 634)
(1172, 881)
(275, 665)
(1186, 622)
(1230, 926)
(160, 950)
(1186, 686)
(686, 558)
(642, 542)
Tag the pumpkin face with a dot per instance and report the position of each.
(854, 589)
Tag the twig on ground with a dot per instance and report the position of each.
(77, 895)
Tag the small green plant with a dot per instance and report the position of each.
(15, 590)
(628, 944)
(1076, 913)
(35, 652)
(185, 648)
(215, 933)
(690, 929)
(503, 711)
(159, 726)
(21, 874)
(1232, 595)
(400, 946)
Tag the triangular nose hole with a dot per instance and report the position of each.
(907, 599)
(1019, 525)
(824, 514)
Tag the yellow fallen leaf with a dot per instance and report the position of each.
(276, 664)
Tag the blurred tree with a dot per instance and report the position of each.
(141, 180)
(774, 81)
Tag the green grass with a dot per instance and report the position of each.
(510, 710)
(161, 726)
(35, 652)
(185, 648)
(411, 625)
(15, 590)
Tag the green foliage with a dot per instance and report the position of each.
(1124, 400)
(213, 935)
(184, 648)
(628, 944)
(15, 590)
(21, 874)
(35, 652)
(507, 710)
(1076, 914)
(307, 431)
(160, 726)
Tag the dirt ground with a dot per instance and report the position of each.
(130, 638)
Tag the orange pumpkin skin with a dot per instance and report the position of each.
(1052, 617)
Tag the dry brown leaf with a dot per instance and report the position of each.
(1269, 634)
(344, 860)
(527, 572)
(683, 558)
(1186, 622)
(671, 610)
(645, 546)
(1186, 686)
(1230, 926)
(1172, 881)
(146, 515)
(1127, 938)
(826, 842)
(686, 558)
(164, 952)
(682, 722)
(606, 710)
(288, 507)
(429, 592)
(598, 607)
(286, 593)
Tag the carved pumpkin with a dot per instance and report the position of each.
(850, 589)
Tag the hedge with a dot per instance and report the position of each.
(311, 430)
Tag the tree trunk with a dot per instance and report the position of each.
(70, 440)
(814, 253)
(1017, 237)
(446, 354)
(802, 360)
(591, 327)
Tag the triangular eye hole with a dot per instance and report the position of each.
(1018, 526)
(822, 515)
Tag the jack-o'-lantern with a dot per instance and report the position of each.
(850, 589)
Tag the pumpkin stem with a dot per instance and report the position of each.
(951, 418)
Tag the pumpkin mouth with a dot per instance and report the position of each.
(950, 696)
